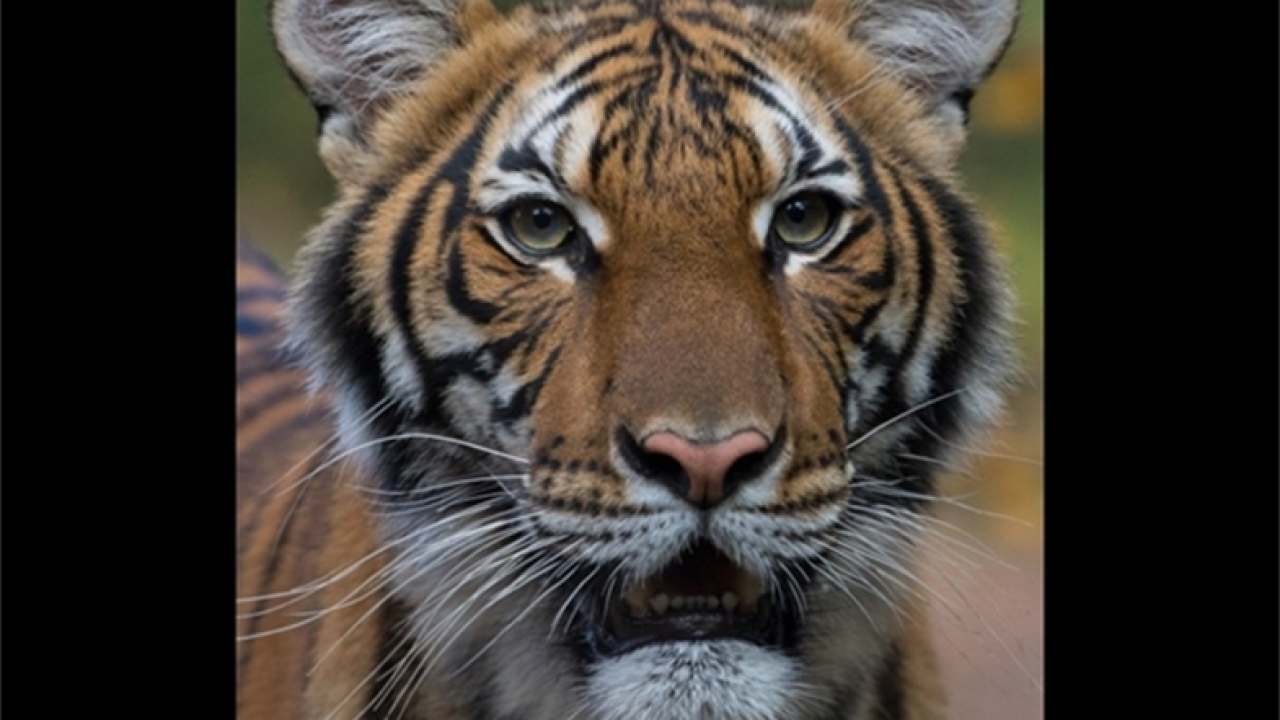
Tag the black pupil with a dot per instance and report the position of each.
(796, 211)
(543, 216)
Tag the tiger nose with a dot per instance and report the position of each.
(706, 479)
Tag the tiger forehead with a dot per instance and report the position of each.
(669, 99)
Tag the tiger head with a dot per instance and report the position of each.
(652, 320)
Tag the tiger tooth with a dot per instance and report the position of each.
(730, 601)
(677, 603)
(660, 603)
(636, 603)
(748, 590)
(711, 602)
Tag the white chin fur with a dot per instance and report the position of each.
(722, 680)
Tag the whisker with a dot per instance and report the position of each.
(570, 600)
(903, 415)
(376, 671)
(308, 589)
(415, 574)
(364, 420)
(461, 443)
(427, 488)
(884, 487)
(981, 451)
(512, 624)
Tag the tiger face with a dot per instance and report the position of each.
(650, 320)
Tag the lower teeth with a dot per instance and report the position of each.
(661, 603)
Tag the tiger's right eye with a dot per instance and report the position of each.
(805, 220)
(538, 226)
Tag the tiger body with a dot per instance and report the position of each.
(643, 327)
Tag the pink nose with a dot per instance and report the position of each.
(706, 464)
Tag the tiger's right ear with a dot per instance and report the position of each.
(351, 56)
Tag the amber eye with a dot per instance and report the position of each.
(805, 219)
(538, 226)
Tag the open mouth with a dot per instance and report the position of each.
(701, 596)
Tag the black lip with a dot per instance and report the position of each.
(614, 635)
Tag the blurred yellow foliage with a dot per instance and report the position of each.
(1012, 101)
(998, 494)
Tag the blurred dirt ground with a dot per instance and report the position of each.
(988, 576)
(990, 642)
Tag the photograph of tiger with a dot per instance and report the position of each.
(616, 380)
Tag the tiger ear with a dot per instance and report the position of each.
(943, 48)
(351, 56)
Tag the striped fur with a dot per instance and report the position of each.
(481, 394)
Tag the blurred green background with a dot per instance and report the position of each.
(282, 188)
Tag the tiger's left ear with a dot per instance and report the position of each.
(942, 48)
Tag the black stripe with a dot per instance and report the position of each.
(523, 160)
(676, 42)
(889, 699)
(523, 399)
(858, 331)
(878, 280)
(924, 291)
(460, 297)
(971, 336)
(835, 327)
(587, 66)
(348, 342)
(624, 136)
(834, 376)
(592, 31)
(455, 170)
(588, 90)
(747, 66)
(874, 192)
(310, 550)
(878, 354)
(391, 654)
(533, 330)
(835, 167)
(810, 153)
(246, 535)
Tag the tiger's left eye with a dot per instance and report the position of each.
(538, 226)
(804, 220)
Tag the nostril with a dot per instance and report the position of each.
(655, 466)
(744, 468)
(703, 473)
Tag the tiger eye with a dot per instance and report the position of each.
(538, 226)
(804, 219)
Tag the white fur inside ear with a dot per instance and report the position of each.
(940, 45)
(722, 680)
(350, 53)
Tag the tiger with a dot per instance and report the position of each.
(615, 382)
